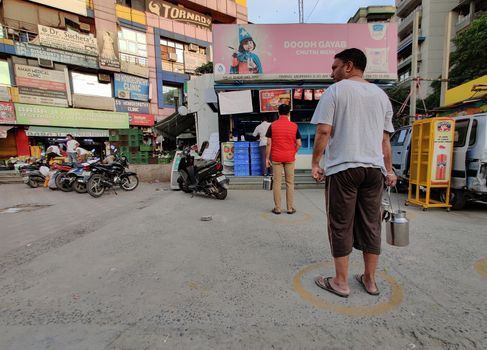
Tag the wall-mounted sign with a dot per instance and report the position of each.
(129, 106)
(128, 87)
(68, 40)
(46, 53)
(141, 119)
(7, 113)
(62, 132)
(24, 94)
(36, 77)
(176, 13)
(71, 117)
(301, 51)
(74, 6)
(108, 44)
(270, 100)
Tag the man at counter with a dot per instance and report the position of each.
(260, 131)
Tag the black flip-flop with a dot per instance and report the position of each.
(275, 211)
(360, 279)
(325, 284)
(292, 211)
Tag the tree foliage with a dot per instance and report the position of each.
(469, 60)
(206, 68)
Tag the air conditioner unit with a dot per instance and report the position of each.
(104, 78)
(45, 63)
(173, 56)
(193, 47)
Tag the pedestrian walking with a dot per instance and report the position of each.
(283, 142)
(261, 131)
(353, 124)
(71, 145)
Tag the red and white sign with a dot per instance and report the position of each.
(40, 78)
(271, 99)
(7, 113)
(141, 119)
(442, 151)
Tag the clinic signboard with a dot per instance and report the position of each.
(67, 40)
(129, 87)
(129, 106)
(300, 52)
(28, 114)
(47, 53)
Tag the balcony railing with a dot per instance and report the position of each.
(406, 22)
(403, 7)
(17, 35)
(133, 59)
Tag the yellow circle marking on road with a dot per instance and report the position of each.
(373, 310)
(285, 218)
(481, 267)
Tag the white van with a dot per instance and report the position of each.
(469, 171)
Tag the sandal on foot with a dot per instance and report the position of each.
(360, 279)
(324, 282)
(276, 211)
(291, 211)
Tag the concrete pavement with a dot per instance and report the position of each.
(140, 270)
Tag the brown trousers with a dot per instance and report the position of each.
(277, 169)
(353, 205)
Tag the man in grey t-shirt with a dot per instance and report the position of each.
(354, 122)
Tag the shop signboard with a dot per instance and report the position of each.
(129, 106)
(442, 152)
(67, 40)
(7, 113)
(36, 77)
(270, 100)
(286, 52)
(44, 131)
(177, 13)
(74, 6)
(128, 87)
(41, 97)
(28, 114)
(46, 53)
(141, 119)
(108, 45)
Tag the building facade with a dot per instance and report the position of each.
(374, 14)
(102, 64)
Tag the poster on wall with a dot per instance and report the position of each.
(7, 113)
(269, 100)
(108, 46)
(129, 87)
(308, 94)
(318, 93)
(281, 52)
(442, 152)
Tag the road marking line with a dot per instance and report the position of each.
(373, 310)
(481, 267)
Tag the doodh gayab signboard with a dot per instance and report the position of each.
(300, 51)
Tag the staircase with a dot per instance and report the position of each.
(302, 180)
(10, 177)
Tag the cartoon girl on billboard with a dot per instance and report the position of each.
(245, 61)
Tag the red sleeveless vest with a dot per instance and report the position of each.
(283, 146)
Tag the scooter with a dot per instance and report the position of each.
(35, 177)
(203, 176)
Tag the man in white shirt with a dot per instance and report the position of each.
(71, 145)
(260, 131)
(354, 121)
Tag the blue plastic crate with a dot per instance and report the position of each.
(256, 172)
(241, 144)
(241, 151)
(241, 158)
(254, 144)
(254, 153)
(241, 173)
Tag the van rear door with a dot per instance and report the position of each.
(460, 147)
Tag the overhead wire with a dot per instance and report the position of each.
(314, 7)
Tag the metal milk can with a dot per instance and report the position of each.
(267, 183)
(397, 225)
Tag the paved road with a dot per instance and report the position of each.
(141, 271)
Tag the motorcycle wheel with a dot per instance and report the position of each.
(182, 186)
(221, 194)
(129, 183)
(95, 186)
(62, 184)
(32, 183)
(80, 187)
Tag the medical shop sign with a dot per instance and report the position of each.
(129, 87)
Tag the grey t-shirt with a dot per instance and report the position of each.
(359, 113)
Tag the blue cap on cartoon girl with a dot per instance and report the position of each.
(245, 60)
(243, 34)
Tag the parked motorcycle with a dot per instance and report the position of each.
(35, 177)
(105, 177)
(202, 176)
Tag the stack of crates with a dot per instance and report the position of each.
(255, 159)
(241, 159)
(129, 143)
